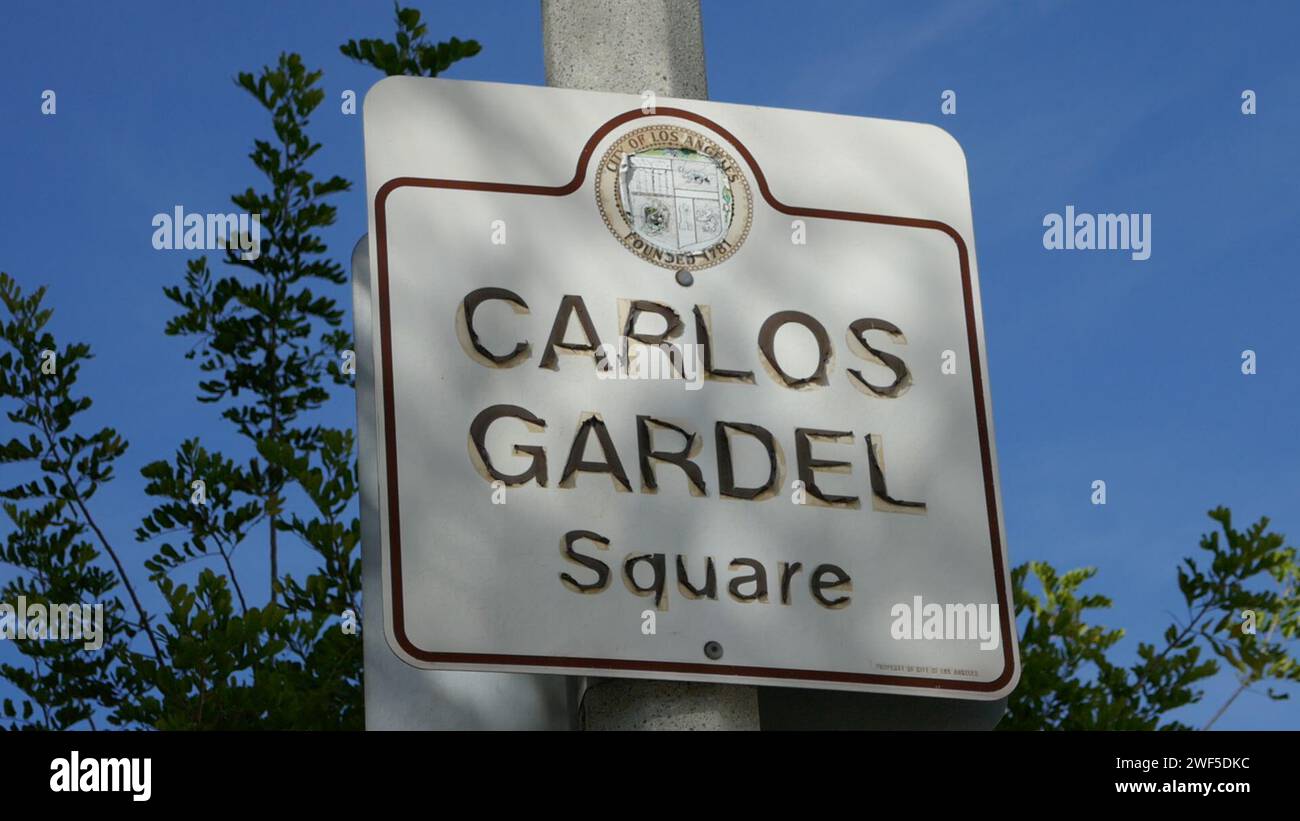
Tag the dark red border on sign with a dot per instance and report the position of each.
(390, 433)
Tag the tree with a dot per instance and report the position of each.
(410, 52)
(54, 542)
(269, 345)
(1243, 606)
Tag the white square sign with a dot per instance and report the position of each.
(686, 391)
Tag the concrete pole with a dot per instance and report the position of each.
(633, 46)
(625, 45)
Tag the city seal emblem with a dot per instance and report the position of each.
(674, 197)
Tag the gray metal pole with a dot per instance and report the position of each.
(634, 46)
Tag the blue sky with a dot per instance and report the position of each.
(1101, 367)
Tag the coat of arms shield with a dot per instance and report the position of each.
(676, 199)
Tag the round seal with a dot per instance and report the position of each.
(674, 197)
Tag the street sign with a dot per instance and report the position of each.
(682, 390)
